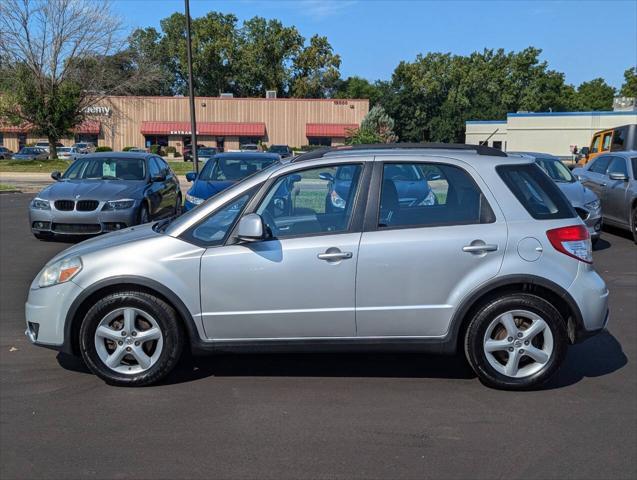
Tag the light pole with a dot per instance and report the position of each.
(193, 120)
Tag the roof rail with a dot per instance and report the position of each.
(479, 149)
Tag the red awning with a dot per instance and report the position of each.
(6, 128)
(222, 129)
(88, 126)
(329, 129)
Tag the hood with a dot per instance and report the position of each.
(109, 240)
(204, 189)
(101, 190)
(577, 193)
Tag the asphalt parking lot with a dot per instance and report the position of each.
(313, 416)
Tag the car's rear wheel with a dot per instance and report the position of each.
(178, 205)
(131, 338)
(516, 342)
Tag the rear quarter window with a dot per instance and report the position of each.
(537, 193)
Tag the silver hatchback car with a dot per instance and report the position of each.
(437, 248)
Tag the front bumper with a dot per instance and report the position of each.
(73, 222)
(45, 313)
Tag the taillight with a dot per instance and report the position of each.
(573, 241)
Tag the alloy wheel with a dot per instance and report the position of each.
(518, 343)
(128, 340)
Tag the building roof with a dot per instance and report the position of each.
(235, 129)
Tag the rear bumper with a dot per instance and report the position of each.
(590, 293)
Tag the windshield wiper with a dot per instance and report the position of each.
(109, 177)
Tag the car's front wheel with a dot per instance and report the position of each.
(516, 342)
(131, 338)
(633, 227)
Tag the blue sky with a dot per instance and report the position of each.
(373, 36)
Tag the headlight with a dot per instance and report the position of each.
(119, 204)
(40, 204)
(194, 200)
(337, 200)
(430, 199)
(60, 272)
(594, 205)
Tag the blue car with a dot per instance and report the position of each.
(222, 171)
(412, 185)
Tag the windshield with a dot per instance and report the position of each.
(233, 168)
(555, 169)
(278, 149)
(31, 150)
(106, 168)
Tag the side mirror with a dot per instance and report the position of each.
(295, 178)
(584, 151)
(433, 176)
(191, 176)
(326, 176)
(158, 178)
(617, 176)
(56, 175)
(251, 228)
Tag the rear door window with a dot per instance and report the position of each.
(536, 191)
(426, 194)
(618, 165)
(606, 142)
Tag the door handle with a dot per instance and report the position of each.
(603, 184)
(334, 256)
(480, 248)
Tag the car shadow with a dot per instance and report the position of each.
(596, 357)
(620, 232)
(601, 244)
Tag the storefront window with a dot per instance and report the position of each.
(161, 140)
(86, 138)
(320, 141)
(249, 140)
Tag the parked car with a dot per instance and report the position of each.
(250, 147)
(188, 152)
(613, 177)
(617, 139)
(206, 153)
(45, 145)
(84, 147)
(282, 150)
(5, 153)
(585, 202)
(222, 171)
(31, 153)
(104, 192)
(68, 153)
(491, 270)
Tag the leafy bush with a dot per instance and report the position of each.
(177, 154)
(170, 149)
(103, 149)
(309, 148)
(156, 149)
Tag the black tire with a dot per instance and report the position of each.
(144, 216)
(164, 315)
(633, 226)
(477, 329)
(178, 205)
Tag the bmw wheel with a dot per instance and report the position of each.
(516, 342)
(131, 338)
(144, 217)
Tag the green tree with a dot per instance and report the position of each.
(316, 70)
(357, 87)
(629, 88)
(58, 59)
(594, 95)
